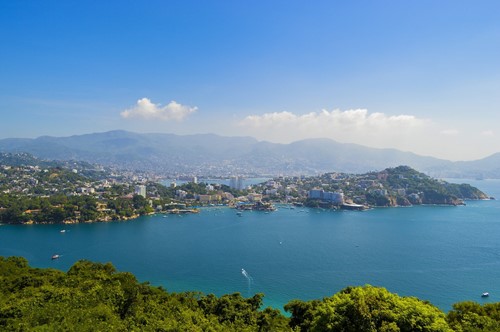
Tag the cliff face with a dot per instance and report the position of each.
(403, 201)
(429, 199)
(435, 197)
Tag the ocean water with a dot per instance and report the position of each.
(437, 253)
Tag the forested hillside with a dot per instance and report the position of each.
(96, 297)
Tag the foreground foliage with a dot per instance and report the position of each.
(95, 297)
(367, 309)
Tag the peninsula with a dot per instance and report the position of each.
(38, 191)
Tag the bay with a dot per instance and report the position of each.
(437, 253)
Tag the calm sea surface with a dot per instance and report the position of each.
(440, 254)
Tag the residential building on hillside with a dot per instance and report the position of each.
(140, 190)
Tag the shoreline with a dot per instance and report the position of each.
(198, 210)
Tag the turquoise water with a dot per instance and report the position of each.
(440, 254)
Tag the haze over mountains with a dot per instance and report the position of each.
(209, 154)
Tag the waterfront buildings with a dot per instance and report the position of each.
(328, 196)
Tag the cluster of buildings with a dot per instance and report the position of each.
(331, 189)
(347, 190)
(45, 181)
(327, 196)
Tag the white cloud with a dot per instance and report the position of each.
(356, 119)
(450, 132)
(350, 126)
(488, 133)
(401, 131)
(149, 111)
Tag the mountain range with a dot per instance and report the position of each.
(210, 154)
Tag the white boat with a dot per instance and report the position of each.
(485, 294)
(56, 256)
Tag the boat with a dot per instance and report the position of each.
(485, 294)
(352, 206)
(55, 256)
(62, 231)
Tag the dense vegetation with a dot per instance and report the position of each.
(95, 297)
(430, 189)
(61, 208)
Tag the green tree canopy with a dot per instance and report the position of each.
(367, 309)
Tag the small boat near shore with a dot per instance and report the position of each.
(352, 206)
(485, 294)
(55, 256)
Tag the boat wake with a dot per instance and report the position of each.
(249, 280)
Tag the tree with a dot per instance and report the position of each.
(96, 297)
(367, 308)
(471, 316)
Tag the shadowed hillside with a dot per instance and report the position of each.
(218, 155)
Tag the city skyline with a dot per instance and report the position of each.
(415, 76)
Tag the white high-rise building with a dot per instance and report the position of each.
(140, 190)
(236, 182)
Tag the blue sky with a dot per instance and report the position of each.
(420, 76)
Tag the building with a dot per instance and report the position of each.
(334, 197)
(328, 196)
(140, 190)
(181, 194)
(208, 198)
(86, 190)
(316, 193)
(236, 182)
(254, 197)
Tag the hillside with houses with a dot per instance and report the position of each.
(38, 191)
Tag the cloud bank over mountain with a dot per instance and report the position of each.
(354, 125)
(437, 137)
(146, 109)
(355, 119)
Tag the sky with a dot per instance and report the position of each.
(420, 76)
